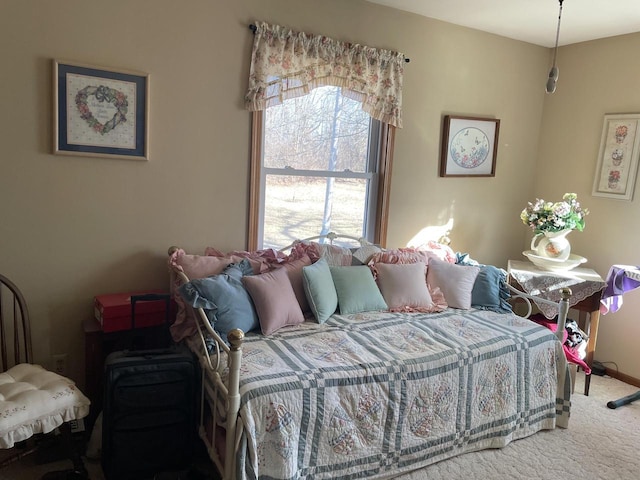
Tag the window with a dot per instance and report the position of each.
(318, 165)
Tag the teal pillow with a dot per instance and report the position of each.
(490, 291)
(224, 299)
(319, 290)
(357, 290)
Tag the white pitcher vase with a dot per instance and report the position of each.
(552, 245)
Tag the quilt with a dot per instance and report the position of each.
(373, 395)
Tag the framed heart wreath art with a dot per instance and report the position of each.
(100, 112)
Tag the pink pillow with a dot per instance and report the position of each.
(404, 286)
(259, 259)
(335, 256)
(455, 281)
(439, 250)
(399, 255)
(274, 299)
(294, 269)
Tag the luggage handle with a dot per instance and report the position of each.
(148, 353)
(149, 297)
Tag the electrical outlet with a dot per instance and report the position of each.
(77, 425)
(60, 364)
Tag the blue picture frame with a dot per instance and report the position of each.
(100, 112)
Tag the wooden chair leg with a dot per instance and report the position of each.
(78, 472)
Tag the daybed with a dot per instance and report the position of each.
(386, 373)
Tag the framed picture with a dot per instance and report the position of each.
(618, 157)
(100, 111)
(469, 146)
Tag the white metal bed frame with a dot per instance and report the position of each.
(229, 391)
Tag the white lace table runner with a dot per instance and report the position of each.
(583, 283)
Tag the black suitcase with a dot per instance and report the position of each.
(149, 416)
(149, 412)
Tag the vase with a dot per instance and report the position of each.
(552, 245)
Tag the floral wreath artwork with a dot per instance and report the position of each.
(100, 112)
(469, 147)
(618, 157)
(102, 94)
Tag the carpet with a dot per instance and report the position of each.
(600, 444)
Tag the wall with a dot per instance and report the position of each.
(73, 227)
(596, 78)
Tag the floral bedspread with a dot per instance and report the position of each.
(373, 395)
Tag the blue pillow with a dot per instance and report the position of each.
(490, 291)
(224, 299)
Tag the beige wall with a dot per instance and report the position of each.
(596, 78)
(74, 227)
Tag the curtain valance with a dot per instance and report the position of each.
(287, 64)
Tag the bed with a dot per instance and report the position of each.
(371, 394)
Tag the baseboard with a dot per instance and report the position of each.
(623, 377)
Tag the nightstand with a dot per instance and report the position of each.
(586, 285)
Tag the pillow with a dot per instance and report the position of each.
(294, 269)
(363, 254)
(197, 266)
(259, 259)
(224, 299)
(404, 286)
(439, 251)
(274, 299)
(490, 291)
(194, 266)
(335, 255)
(399, 255)
(357, 290)
(455, 282)
(319, 290)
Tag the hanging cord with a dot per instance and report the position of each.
(555, 51)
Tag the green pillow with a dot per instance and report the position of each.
(319, 290)
(357, 290)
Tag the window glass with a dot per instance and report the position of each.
(318, 169)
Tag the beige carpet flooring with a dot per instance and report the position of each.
(600, 444)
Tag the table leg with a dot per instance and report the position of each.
(593, 320)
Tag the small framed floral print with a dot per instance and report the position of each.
(100, 111)
(469, 146)
(618, 157)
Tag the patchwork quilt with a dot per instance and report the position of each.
(376, 394)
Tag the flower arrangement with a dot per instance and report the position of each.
(614, 176)
(544, 216)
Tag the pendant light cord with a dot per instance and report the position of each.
(555, 51)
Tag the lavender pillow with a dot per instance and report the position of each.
(404, 285)
(274, 299)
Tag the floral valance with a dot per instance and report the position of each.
(287, 64)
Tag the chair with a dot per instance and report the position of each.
(33, 400)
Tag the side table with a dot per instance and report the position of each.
(586, 284)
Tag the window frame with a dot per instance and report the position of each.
(385, 159)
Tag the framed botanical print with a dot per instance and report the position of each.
(469, 146)
(618, 157)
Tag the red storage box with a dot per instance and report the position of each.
(113, 311)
